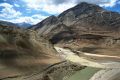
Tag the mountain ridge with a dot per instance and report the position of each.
(24, 25)
(83, 26)
(83, 14)
(27, 54)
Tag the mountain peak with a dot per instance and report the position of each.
(51, 18)
(85, 5)
(82, 8)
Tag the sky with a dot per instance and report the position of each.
(34, 11)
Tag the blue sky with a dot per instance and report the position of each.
(33, 11)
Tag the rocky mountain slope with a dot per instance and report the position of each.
(28, 54)
(24, 55)
(85, 27)
(23, 52)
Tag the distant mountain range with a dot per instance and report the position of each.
(24, 25)
(5, 23)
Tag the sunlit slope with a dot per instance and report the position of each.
(23, 52)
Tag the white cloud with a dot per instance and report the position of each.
(110, 3)
(34, 19)
(6, 5)
(11, 15)
(16, 5)
(48, 6)
(38, 16)
(8, 11)
(34, 4)
(23, 19)
(56, 7)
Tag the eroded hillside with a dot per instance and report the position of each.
(85, 27)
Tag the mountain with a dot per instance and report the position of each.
(29, 54)
(80, 11)
(24, 55)
(24, 25)
(86, 27)
(23, 52)
(5, 23)
(46, 25)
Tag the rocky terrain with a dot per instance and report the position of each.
(29, 54)
(85, 27)
(23, 52)
(24, 55)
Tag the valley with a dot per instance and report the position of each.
(81, 43)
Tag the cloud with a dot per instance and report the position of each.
(110, 3)
(38, 16)
(8, 11)
(58, 6)
(24, 19)
(78, 1)
(34, 4)
(60, 1)
(93, 1)
(16, 5)
(106, 3)
(48, 6)
(5, 5)
(53, 7)
(34, 19)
